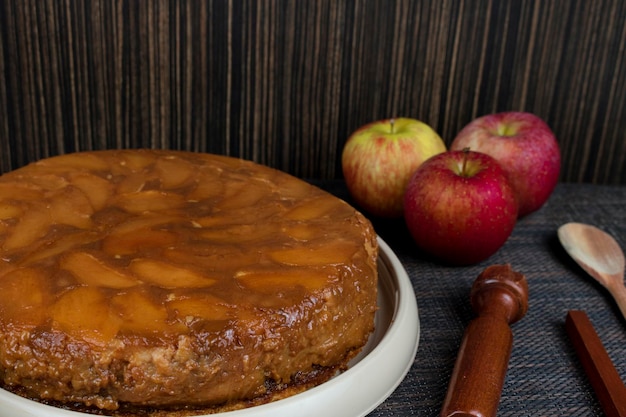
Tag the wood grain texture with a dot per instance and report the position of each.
(499, 296)
(596, 362)
(285, 82)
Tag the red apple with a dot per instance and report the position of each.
(525, 147)
(460, 207)
(379, 158)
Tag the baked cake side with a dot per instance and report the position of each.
(169, 280)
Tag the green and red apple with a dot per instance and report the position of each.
(524, 146)
(460, 207)
(379, 158)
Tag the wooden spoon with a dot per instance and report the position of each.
(598, 254)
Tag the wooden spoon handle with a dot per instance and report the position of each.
(500, 297)
(597, 364)
(618, 291)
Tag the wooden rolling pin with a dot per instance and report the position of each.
(499, 296)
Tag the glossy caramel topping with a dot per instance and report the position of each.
(113, 244)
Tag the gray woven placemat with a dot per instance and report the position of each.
(544, 377)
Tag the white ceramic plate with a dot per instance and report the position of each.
(371, 377)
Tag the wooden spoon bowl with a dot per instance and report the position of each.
(599, 255)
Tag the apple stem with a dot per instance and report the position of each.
(392, 122)
(463, 167)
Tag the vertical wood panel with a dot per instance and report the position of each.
(285, 82)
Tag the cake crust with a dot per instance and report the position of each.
(176, 281)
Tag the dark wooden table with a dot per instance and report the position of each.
(544, 377)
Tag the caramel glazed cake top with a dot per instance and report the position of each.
(163, 279)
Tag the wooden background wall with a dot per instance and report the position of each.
(285, 82)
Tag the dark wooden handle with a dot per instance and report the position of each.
(500, 297)
(603, 376)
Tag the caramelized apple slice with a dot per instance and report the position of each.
(293, 189)
(143, 223)
(120, 244)
(25, 295)
(315, 208)
(333, 252)
(79, 160)
(92, 271)
(261, 214)
(136, 161)
(173, 172)
(149, 201)
(33, 225)
(4, 227)
(83, 312)
(47, 182)
(9, 211)
(222, 219)
(140, 313)
(218, 257)
(228, 163)
(131, 183)
(19, 190)
(302, 231)
(97, 189)
(71, 207)
(247, 194)
(60, 245)
(244, 233)
(206, 188)
(206, 306)
(166, 275)
(317, 233)
(275, 280)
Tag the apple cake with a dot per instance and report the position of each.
(169, 280)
